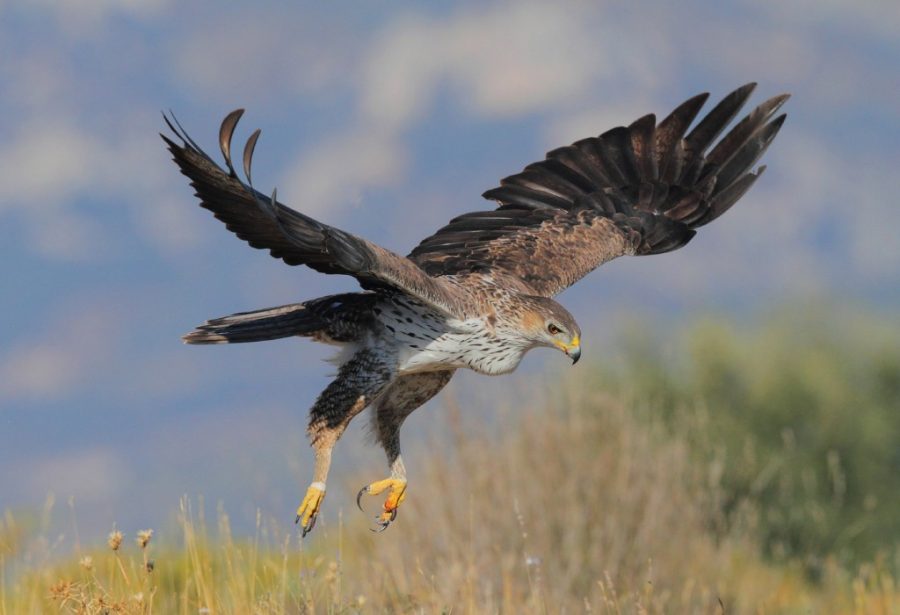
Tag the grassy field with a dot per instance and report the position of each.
(756, 474)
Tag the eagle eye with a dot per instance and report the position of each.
(553, 329)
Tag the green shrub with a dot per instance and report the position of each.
(802, 409)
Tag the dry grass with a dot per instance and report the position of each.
(566, 512)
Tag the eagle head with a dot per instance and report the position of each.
(547, 323)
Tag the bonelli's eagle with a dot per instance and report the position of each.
(477, 294)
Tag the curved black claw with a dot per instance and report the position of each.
(310, 525)
(359, 495)
(383, 523)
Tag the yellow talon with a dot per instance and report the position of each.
(309, 507)
(396, 488)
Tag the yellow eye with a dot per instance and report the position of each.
(553, 329)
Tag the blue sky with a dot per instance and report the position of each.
(386, 119)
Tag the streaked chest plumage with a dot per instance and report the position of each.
(425, 340)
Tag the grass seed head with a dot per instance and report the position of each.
(62, 590)
(143, 538)
(86, 562)
(114, 540)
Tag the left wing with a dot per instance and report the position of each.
(640, 189)
(294, 237)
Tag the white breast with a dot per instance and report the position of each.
(425, 340)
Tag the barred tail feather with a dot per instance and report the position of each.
(259, 325)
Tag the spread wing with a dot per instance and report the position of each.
(293, 237)
(640, 189)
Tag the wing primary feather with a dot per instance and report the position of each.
(249, 148)
(611, 147)
(710, 127)
(272, 209)
(185, 137)
(226, 132)
(744, 130)
(669, 135)
(561, 172)
(715, 121)
(642, 147)
(182, 134)
(581, 161)
(540, 180)
(751, 151)
(723, 201)
(524, 196)
(171, 127)
(687, 210)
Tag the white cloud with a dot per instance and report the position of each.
(48, 160)
(62, 235)
(37, 79)
(64, 358)
(339, 170)
(169, 222)
(751, 50)
(870, 17)
(504, 69)
(252, 56)
(41, 167)
(409, 62)
(88, 475)
(397, 77)
(94, 343)
(82, 18)
(51, 162)
(490, 57)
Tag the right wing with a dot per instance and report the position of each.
(293, 237)
(641, 189)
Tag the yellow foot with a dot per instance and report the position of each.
(397, 494)
(309, 507)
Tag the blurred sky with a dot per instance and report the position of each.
(387, 119)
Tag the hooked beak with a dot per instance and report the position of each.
(573, 349)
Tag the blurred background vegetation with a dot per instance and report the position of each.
(802, 411)
(719, 467)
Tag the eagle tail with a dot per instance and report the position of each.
(335, 318)
(256, 326)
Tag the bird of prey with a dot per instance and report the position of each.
(478, 293)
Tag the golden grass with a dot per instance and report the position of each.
(587, 511)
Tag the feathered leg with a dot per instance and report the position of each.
(404, 395)
(360, 381)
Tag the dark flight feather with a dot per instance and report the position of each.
(293, 237)
(642, 189)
